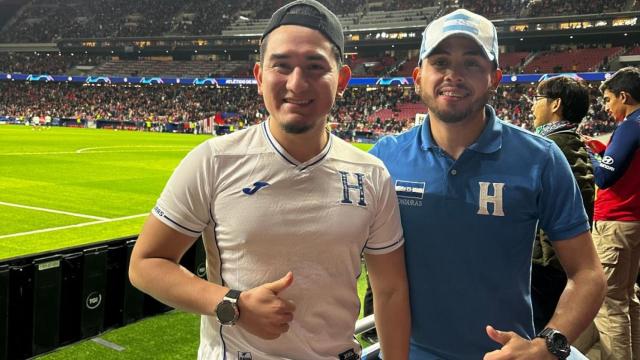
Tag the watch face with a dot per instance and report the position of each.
(226, 313)
(558, 345)
(559, 341)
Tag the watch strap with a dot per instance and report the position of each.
(548, 334)
(233, 295)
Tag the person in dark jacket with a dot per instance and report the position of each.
(559, 106)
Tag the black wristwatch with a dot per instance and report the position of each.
(227, 311)
(557, 343)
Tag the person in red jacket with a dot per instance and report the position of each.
(616, 230)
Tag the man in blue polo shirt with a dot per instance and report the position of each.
(472, 191)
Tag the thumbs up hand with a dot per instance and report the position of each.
(263, 313)
(516, 347)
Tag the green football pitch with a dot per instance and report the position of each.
(64, 187)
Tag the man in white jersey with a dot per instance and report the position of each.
(285, 210)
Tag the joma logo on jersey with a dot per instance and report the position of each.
(485, 199)
(256, 186)
(244, 355)
(357, 188)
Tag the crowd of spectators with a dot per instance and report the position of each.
(497, 9)
(351, 112)
(205, 17)
(47, 20)
(402, 5)
(43, 63)
(354, 112)
(537, 8)
(128, 103)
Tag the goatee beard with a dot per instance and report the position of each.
(295, 128)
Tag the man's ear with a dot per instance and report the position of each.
(257, 73)
(496, 78)
(626, 98)
(344, 75)
(417, 77)
(556, 106)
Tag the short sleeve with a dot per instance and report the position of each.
(386, 230)
(560, 205)
(185, 202)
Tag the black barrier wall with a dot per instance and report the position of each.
(57, 298)
(47, 279)
(94, 283)
(133, 307)
(20, 310)
(4, 310)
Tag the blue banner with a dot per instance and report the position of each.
(357, 81)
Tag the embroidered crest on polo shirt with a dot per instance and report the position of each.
(410, 193)
(352, 192)
(485, 198)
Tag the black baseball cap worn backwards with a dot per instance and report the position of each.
(325, 21)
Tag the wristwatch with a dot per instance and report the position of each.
(227, 311)
(557, 343)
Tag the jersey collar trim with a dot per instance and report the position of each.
(290, 159)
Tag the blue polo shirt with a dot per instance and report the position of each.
(469, 226)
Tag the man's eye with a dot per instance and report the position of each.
(472, 63)
(439, 63)
(316, 67)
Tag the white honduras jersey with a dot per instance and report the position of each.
(262, 214)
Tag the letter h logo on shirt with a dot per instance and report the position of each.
(346, 188)
(495, 199)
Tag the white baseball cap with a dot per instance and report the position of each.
(461, 22)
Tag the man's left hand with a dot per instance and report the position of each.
(516, 347)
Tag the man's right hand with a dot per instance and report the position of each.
(263, 313)
(596, 146)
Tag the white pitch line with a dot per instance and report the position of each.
(102, 148)
(39, 153)
(54, 211)
(85, 151)
(71, 226)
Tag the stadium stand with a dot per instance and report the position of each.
(45, 63)
(47, 20)
(590, 59)
(635, 50)
(496, 9)
(375, 110)
(135, 103)
(514, 62)
(193, 68)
